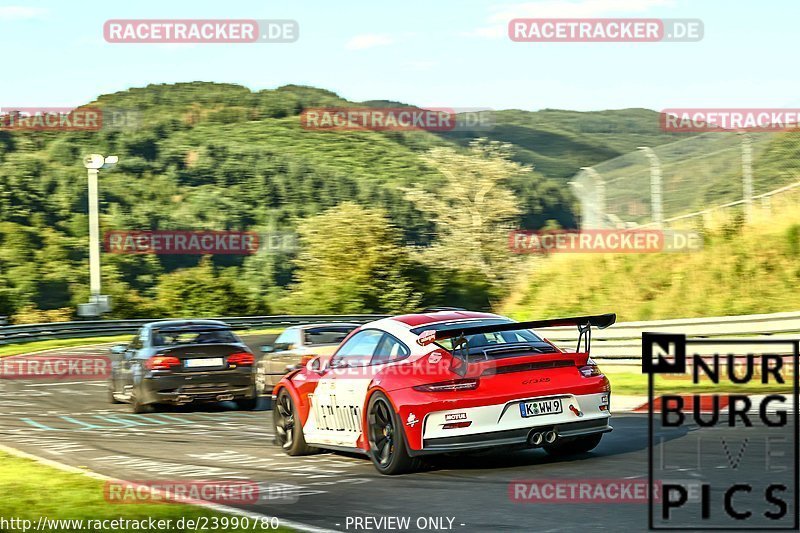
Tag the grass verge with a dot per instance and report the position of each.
(31, 490)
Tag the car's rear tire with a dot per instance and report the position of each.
(288, 429)
(140, 408)
(387, 440)
(574, 446)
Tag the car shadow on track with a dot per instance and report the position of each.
(629, 436)
(264, 404)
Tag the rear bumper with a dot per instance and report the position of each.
(510, 437)
(499, 424)
(181, 389)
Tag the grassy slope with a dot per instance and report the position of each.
(559, 142)
(31, 490)
(749, 270)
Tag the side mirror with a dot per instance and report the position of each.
(318, 364)
(267, 348)
(118, 349)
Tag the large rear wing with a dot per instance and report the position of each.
(584, 324)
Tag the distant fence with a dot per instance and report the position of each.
(682, 180)
(624, 340)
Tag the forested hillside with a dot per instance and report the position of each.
(217, 156)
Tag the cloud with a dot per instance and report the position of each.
(20, 12)
(421, 64)
(488, 32)
(368, 40)
(561, 9)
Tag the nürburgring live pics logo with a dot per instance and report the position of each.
(725, 450)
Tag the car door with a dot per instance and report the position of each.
(275, 364)
(337, 403)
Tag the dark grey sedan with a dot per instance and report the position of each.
(183, 361)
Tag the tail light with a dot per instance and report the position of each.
(161, 362)
(449, 386)
(241, 359)
(590, 370)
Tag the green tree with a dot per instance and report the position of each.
(352, 261)
(201, 292)
(473, 211)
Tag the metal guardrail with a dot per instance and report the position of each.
(622, 341)
(101, 328)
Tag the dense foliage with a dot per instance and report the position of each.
(210, 156)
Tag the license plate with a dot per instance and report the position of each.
(202, 363)
(540, 407)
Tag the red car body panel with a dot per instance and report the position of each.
(501, 382)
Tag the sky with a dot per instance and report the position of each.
(447, 53)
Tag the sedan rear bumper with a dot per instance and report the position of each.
(180, 389)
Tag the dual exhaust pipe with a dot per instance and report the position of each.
(185, 398)
(537, 438)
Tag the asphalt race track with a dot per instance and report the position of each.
(72, 422)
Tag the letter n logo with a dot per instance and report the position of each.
(663, 353)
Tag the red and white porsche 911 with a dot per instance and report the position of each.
(399, 388)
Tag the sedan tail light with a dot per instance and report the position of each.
(162, 362)
(449, 386)
(241, 359)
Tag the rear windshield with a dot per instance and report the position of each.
(483, 340)
(327, 334)
(200, 336)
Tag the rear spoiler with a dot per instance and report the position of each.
(583, 323)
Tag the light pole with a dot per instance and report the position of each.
(655, 186)
(98, 303)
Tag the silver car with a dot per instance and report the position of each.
(294, 347)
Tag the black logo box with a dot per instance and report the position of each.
(677, 364)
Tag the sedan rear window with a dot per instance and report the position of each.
(175, 338)
(327, 334)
